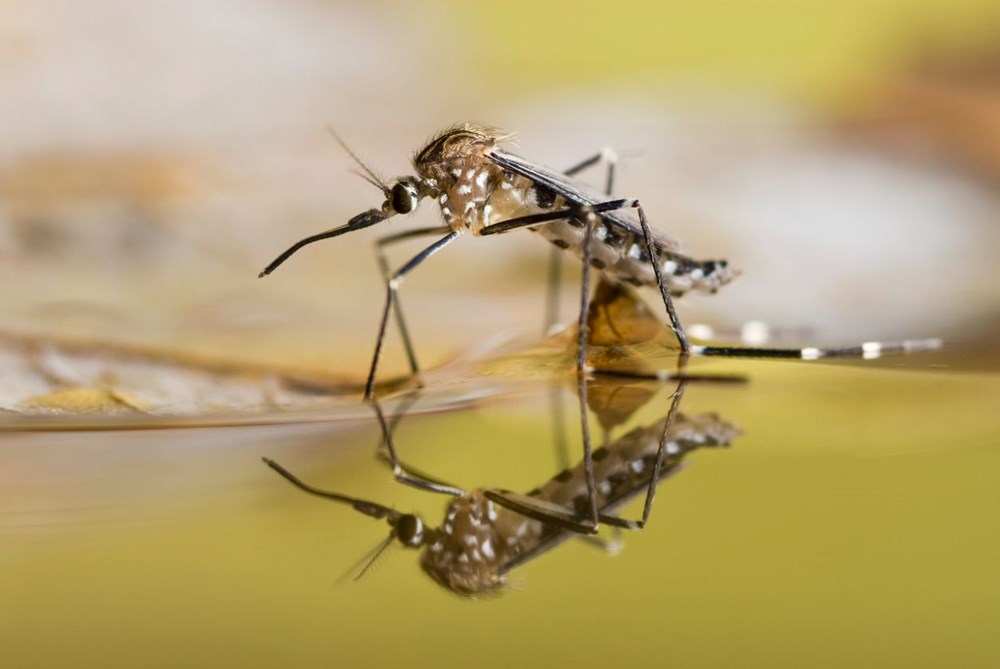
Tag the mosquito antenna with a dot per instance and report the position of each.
(372, 177)
(365, 563)
(377, 184)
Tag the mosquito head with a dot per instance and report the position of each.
(402, 197)
(409, 529)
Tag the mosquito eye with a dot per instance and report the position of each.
(410, 530)
(403, 199)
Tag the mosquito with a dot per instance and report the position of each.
(483, 190)
(488, 532)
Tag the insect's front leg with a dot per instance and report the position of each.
(392, 287)
(402, 474)
(383, 265)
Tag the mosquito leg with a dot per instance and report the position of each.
(392, 286)
(675, 321)
(558, 215)
(552, 298)
(675, 402)
(383, 265)
(556, 254)
(402, 475)
(581, 368)
(383, 452)
(398, 415)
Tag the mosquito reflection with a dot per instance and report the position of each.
(488, 532)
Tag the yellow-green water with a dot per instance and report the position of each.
(852, 524)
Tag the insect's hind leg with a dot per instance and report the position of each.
(866, 350)
(668, 302)
(654, 477)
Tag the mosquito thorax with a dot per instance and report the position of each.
(410, 530)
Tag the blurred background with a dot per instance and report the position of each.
(155, 156)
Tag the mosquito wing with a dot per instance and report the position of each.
(576, 192)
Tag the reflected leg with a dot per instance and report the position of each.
(406, 476)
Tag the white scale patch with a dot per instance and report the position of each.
(487, 549)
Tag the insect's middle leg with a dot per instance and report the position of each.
(610, 205)
(556, 254)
